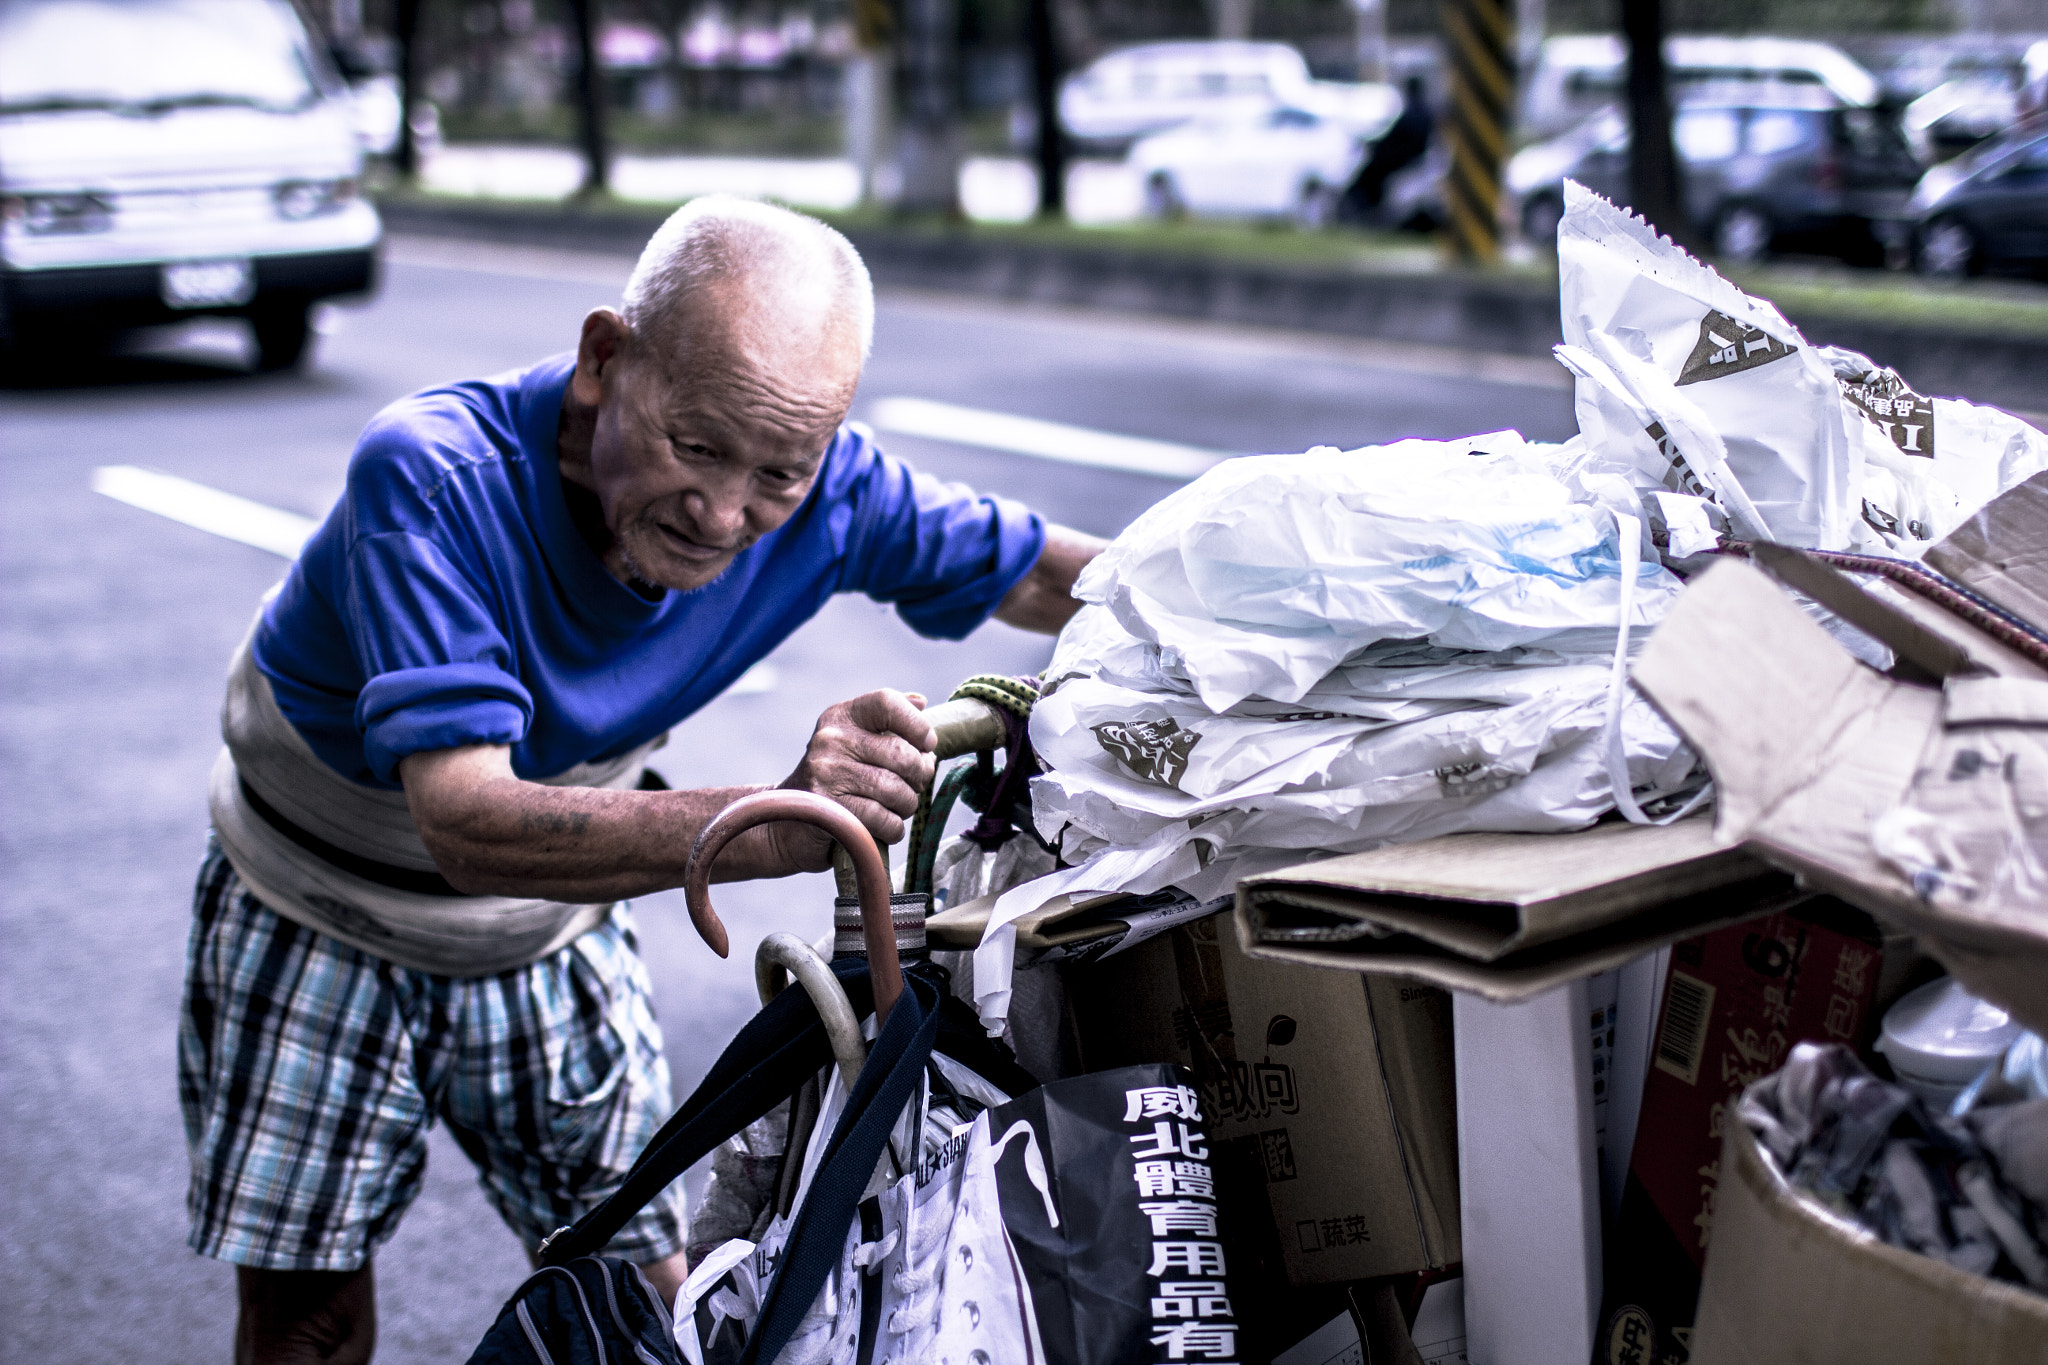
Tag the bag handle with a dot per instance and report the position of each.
(763, 1065)
(817, 1234)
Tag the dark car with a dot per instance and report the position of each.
(1987, 209)
(1777, 169)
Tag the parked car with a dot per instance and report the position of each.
(162, 159)
(1762, 172)
(1957, 115)
(1988, 208)
(1140, 90)
(1577, 75)
(1282, 163)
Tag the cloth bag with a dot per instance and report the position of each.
(550, 1319)
(1075, 1224)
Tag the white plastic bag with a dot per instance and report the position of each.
(1265, 574)
(1687, 384)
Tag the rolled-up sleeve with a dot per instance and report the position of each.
(944, 554)
(438, 668)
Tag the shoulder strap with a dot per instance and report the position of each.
(763, 1065)
(817, 1235)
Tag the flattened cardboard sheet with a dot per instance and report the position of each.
(1507, 916)
(1925, 805)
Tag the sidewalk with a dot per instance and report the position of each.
(992, 189)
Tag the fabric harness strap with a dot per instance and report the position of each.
(346, 859)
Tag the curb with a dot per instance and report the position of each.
(1504, 315)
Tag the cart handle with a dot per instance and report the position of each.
(871, 877)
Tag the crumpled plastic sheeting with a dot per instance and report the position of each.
(1688, 384)
(1262, 576)
(1970, 1191)
(1517, 751)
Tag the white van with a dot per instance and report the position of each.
(1125, 95)
(161, 159)
(1577, 75)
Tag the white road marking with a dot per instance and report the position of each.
(208, 509)
(558, 264)
(1041, 439)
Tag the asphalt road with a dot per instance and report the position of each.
(116, 626)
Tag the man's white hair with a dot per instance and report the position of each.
(719, 237)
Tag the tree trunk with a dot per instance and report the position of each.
(1045, 96)
(1656, 180)
(929, 148)
(406, 156)
(1233, 19)
(590, 101)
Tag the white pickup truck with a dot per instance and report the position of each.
(161, 159)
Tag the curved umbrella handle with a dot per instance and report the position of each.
(782, 951)
(871, 877)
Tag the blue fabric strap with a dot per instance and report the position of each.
(818, 1234)
(762, 1066)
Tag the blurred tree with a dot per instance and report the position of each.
(1045, 105)
(590, 100)
(406, 30)
(1655, 177)
(930, 145)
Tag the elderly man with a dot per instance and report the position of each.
(433, 804)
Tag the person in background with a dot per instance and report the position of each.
(1405, 142)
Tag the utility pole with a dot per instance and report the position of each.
(406, 156)
(1480, 34)
(1531, 21)
(1656, 180)
(1233, 19)
(929, 150)
(1372, 39)
(590, 101)
(870, 92)
(1045, 99)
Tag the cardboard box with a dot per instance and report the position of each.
(1336, 1090)
(1507, 916)
(1735, 1002)
(1921, 796)
(1786, 1281)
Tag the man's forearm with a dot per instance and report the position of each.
(1043, 599)
(503, 836)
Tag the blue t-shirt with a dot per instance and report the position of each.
(449, 599)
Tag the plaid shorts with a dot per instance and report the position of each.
(309, 1073)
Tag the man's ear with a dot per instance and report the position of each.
(604, 339)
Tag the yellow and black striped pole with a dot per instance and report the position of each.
(1480, 36)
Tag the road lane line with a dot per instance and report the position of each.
(207, 509)
(1041, 439)
(560, 265)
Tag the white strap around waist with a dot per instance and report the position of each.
(347, 860)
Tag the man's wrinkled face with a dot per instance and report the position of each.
(709, 441)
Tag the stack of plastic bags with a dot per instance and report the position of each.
(1336, 650)
(1339, 650)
